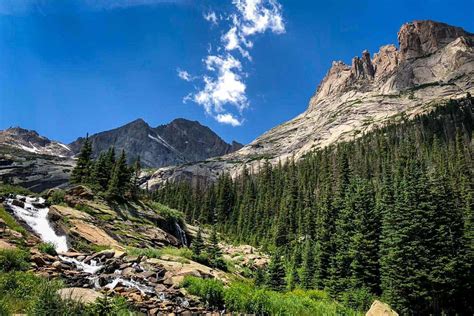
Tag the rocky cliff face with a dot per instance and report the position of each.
(178, 142)
(434, 62)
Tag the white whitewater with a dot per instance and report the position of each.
(131, 284)
(37, 219)
(91, 268)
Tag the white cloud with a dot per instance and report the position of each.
(228, 119)
(211, 17)
(183, 74)
(224, 87)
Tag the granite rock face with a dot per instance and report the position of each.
(435, 62)
(181, 141)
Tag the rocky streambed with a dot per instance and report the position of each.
(144, 282)
(149, 284)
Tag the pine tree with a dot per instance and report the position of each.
(308, 269)
(197, 245)
(135, 185)
(276, 272)
(214, 251)
(101, 173)
(81, 174)
(120, 180)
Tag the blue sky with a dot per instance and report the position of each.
(78, 66)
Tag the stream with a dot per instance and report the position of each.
(33, 211)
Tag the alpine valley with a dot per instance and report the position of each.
(362, 204)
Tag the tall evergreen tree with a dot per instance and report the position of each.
(276, 272)
(81, 174)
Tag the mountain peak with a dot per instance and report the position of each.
(424, 37)
(391, 70)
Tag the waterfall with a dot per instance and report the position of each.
(181, 235)
(37, 220)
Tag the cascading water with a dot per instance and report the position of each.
(181, 235)
(131, 284)
(37, 219)
(91, 268)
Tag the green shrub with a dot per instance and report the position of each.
(116, 305)
(57, 197)
(11, 221)
(48, 248)
(211, 290)
(171, 215)
(359, 299)
(6, 189)
(13, 260)
(241, 297)
(4, 307)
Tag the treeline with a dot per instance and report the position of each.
(107, 175)
(388, 214)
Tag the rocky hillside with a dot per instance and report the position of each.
(433, 63)
(32, 142)
(178, 142)
(135, 250)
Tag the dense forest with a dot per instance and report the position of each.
(388, 214)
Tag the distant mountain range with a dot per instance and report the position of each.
(178, 142)
(39, 163)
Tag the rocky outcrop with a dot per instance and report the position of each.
(435, 63)
(379, 308)
(36, 172)
(81, 295)
(421, 38)
(180, 141)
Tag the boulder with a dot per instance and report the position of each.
(81, 192)
(6, 245)
(379, 308)
(86, 296)
(18, 203)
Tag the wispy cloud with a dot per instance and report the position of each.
(211, 17)
(14, 7)
(223, 90)
(183, 74)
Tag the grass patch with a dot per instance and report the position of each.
(242, 297)
(184, 253)
(11, 221)
(26, 293)
(84, 246)
(13, 260)
(47, 248)
(6, 189)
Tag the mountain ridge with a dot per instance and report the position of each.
(434, 63)
(180, 141)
